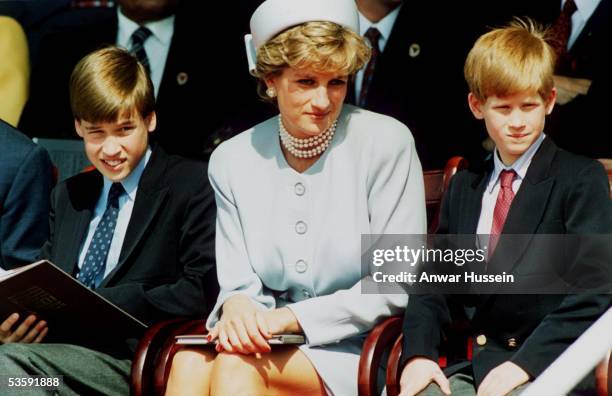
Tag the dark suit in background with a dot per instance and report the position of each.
(418, 79)
(26, 178)
(561, 194)
(165, 269)
(206, 94)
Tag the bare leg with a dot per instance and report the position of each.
(190, 372)
(284, 371)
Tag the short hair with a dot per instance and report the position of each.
(321, 45)
(108, 83)
(511, 59)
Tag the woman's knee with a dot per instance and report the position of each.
(187, 360)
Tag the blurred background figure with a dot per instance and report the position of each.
(418, 55)
(169, 36)
(26, 178)
(14, 70)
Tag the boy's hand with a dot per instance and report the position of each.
(420, 372)
(502, 380)
(27, 332)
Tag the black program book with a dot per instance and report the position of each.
(71, 310)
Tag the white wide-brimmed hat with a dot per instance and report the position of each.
(274, 16)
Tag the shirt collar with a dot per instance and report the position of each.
(585, 8)
(162, 30)
(519, 166)
(130, 183)
(384, 26)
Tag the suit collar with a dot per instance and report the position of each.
(152, 192)
(384, 26)
(528, 206)
(83, 191)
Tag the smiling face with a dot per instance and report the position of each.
(308, 101)
(116, 148)
(514, 121)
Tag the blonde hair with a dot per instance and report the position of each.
(512, 59)
(109, 83)
(321, 45)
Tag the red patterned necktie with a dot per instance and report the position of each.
(502, 206)
(560, 33)
(373, 35)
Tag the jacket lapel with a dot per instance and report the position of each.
(151, 194)
(472, 205)
(527, 207)
(84, 197)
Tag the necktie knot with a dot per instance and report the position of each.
(137, 48)
(140, 35)
(115, 192)
(506, 178)
(569, 7)
(373, 35)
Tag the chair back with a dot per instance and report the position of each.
(436, 182)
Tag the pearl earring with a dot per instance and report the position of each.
(271, 92)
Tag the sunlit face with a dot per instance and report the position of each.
(513, 122)
(116, 148)
(308, 101)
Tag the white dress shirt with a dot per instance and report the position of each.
(489, 198)
(156, 46)
(126, 205)
(585, 8)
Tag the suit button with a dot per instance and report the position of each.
(512, 342)
(301, 227)
(481, 340)
(301, 266)
(299, 189)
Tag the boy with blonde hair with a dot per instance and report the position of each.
(530, 186)
(138, 230)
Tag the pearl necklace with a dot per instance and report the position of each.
(309, 147)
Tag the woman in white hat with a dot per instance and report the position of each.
(294, 194)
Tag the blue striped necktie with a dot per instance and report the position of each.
(137, 49)
(92, 271)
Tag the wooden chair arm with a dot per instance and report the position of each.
(146, 352)
(603, 376)
(393, 367)
(379, 339)
(169, 348)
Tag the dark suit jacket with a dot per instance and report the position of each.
(206, 94)
(26, 178)
(166, 265)
(561, 194)
(425, 88)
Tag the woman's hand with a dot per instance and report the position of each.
(242, 327)
(245, 329)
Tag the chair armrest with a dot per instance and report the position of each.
(393, 367)
(146, 352)
(169, 348)
(603, 376)
(379, 339)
